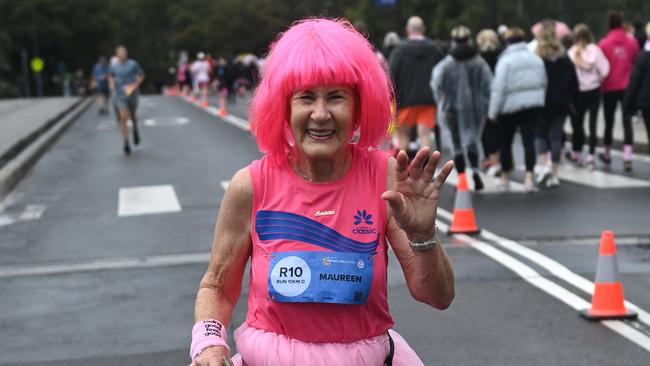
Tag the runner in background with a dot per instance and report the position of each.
(100, 78)
(201, 76)
(461, 87)
(490, 48)
(517, 95)
(591, 68)
(561, 94)
(411, 64)
(621, 50)
(124, 79)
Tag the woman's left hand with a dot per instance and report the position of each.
(414, 199)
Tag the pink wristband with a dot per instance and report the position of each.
(206, 333)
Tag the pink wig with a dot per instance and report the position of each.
(316, 52)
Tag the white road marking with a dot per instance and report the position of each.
(229, 118)
(555, 268)
(6, 220)
(147, 200)
(32, 212)
(617, 153)
(104, 264)
(489, 182)
(597, 178)
(562, 294)
(165, 121)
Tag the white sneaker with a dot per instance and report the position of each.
(529, 187)
(503, 186)
(494, 170)
(542, 174)
(553, 181)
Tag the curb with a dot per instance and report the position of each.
(35, 145)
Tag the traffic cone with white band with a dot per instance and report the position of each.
(608, 301)
(463, 220)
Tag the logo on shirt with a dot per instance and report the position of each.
(363, 217)
(325, 213)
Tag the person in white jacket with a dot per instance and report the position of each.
(517, 96)
(591, 67)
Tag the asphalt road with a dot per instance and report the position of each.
(83, 281)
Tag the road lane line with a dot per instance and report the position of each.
(103, 265)
(554, 267)
(231, 119)
(147, 200)
(534, 278)
(489, 182)
(597, 178)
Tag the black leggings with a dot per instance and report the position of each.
(646, 120)
(472, 149)
(549, 135)
(490, 138)
(610, 99)
(527, 121)
(588, 101)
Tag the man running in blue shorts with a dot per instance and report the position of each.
(125, 78)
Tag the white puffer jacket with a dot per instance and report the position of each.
(519, 81)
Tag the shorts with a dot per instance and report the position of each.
(129, 102)
(424, 115)
(203, 84)
(104, 90)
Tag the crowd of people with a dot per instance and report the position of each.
(229, 76)
(485, 90)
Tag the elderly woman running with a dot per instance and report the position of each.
(316, 214)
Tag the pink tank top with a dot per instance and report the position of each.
(329, 222)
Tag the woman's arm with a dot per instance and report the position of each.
(221, 285)
(429, 275)
(413, 202)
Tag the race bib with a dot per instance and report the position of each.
(329, 277)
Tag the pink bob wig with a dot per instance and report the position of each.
(315, 52)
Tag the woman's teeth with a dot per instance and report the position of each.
(320, 134)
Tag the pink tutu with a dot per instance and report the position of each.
(257, 347)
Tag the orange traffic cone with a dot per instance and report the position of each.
(607, 301)
(223, 111)
(193, 97)
(204, 103)
(463, 220)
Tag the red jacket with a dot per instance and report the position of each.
(621, 50)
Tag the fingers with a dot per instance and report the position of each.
(416, 166)
(430, 168)
(395, 201)
(444, 173)
(401, 168)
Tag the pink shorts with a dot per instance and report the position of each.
(257, 347)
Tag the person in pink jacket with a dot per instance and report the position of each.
(621, 51)
(591, 68)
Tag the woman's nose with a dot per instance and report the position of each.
(320, 112)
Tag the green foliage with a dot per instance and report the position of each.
(77, 32)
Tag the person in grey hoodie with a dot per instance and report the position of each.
(518, 93)
(461, 86)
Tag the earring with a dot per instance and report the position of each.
(288, 136)
(356, 134)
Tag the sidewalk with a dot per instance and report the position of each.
(27, 127)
